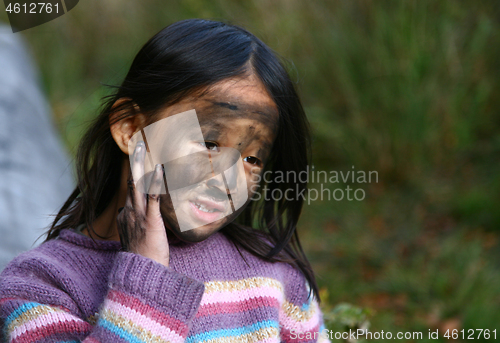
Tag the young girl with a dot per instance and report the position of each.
(117, 264)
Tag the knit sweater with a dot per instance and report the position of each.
(75, 289)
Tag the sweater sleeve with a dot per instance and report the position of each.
(301, 319)
(146, 302)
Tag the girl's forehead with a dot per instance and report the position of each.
(246, 86)
(229, 100)
(213, 109)
(244, 94)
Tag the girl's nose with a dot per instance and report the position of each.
(217, 189)
(225, 163)
(231, 176)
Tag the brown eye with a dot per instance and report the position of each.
(252, 160)
(210, 146)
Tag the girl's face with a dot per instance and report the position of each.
(237, 114)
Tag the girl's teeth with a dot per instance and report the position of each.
(203, 208)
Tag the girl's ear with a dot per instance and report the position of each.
(124, 121)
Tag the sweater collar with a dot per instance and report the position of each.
(85, 241)
(82, 240)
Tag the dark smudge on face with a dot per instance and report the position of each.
(247, 127)
(226, 105)
(265, 114)
(216, 119)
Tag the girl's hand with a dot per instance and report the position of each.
(140, 224)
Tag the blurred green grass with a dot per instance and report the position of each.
(409, 89)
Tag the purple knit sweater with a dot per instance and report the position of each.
(74, 289)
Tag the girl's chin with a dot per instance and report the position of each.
(195, 235)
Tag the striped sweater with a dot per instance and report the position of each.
(73, 289)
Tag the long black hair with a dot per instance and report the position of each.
(184, 57)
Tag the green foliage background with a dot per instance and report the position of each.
(409, 89)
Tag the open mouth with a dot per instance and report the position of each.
(207, 210)
(206, 207)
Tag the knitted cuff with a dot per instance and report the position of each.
(156, 285)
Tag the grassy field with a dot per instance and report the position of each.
(409, 89)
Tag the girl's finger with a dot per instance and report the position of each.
(138, 199)
(154, 192)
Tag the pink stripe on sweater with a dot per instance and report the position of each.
(50, 324)
(44, 320)
(179, 327)
(145, 322)
(286, 335)
(246, 294)
(237, 306)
